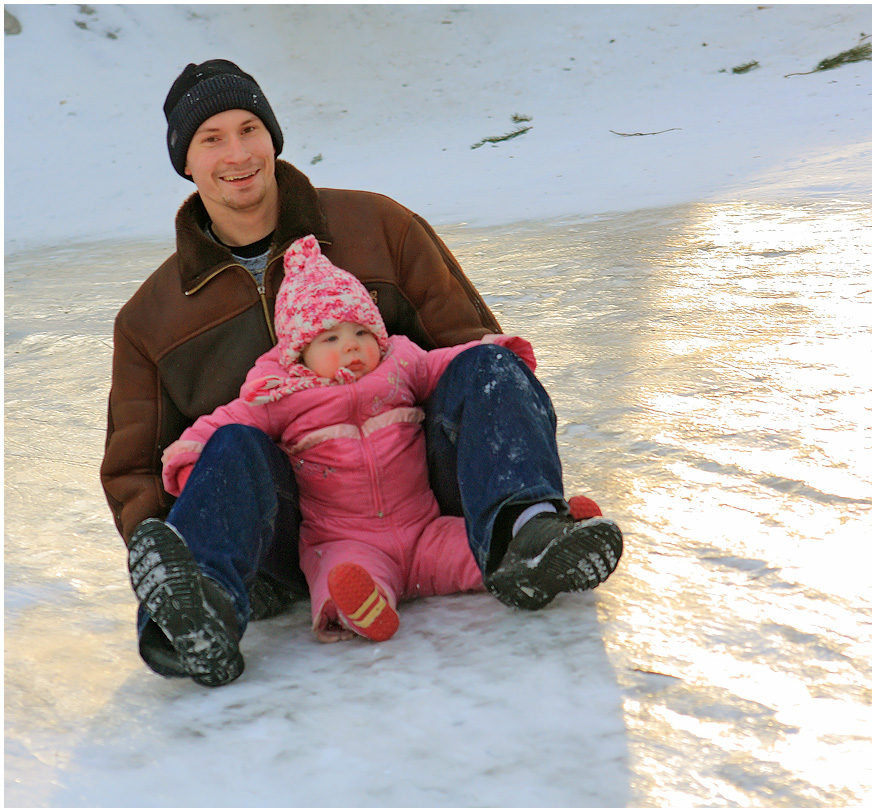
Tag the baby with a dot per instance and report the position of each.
(342, 399)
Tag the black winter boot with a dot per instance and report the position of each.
(552, 553)
(268, 597)
(195, 613)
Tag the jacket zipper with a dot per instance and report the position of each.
(262, 290)
(267, 313)
(213, 275)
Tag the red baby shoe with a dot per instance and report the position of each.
(362, 607)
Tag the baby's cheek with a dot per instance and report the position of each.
(327, 362)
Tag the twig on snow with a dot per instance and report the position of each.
(859, 53)
(631, 135)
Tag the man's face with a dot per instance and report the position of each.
(231, 160)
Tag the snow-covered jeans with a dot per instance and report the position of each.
(491, 444)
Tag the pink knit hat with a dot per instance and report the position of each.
(315, 296)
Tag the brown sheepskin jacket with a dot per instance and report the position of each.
(185, 341)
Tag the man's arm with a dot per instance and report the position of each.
(131, 468)
(450, 308)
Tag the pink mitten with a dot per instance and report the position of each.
(583, 508)
(516, 344)
(182, 476)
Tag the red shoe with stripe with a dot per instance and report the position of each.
(361, 605)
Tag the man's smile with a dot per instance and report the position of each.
(236, 178)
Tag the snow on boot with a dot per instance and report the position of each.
(361, 605)
(552, 554)
(195, 614)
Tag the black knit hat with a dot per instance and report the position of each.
(202, 91)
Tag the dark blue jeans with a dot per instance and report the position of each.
(491, 439)
(491, 445)
(239, 516)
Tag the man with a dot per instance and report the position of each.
(225, 551)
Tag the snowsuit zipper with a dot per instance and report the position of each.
(369, 457)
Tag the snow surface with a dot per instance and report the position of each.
(392, 99)
(699, 302)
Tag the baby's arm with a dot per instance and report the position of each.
(431, 365)
(180, 456)
(516, 344)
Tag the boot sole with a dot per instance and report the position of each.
(363, 608)
(167, 582)
(574, 562)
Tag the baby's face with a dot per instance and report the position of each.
(347, 345)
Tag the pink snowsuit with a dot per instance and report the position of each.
(359, 456)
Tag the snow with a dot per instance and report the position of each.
(699, 304)
(393, 98)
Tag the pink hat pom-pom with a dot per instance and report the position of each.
(299, 252)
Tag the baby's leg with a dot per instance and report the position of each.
(332, 596)
(443, 562)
